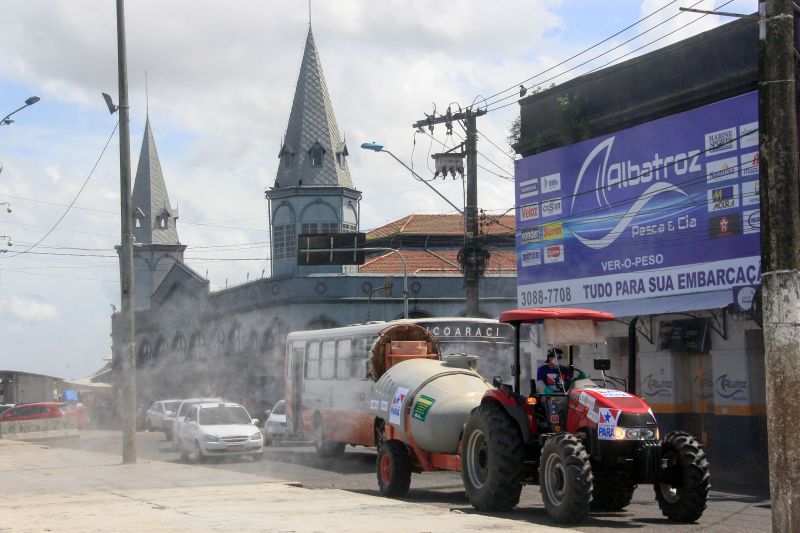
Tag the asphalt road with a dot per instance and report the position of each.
(355, 471)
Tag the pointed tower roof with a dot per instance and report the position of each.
(153, 215)
(312, 126)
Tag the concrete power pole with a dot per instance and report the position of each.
(470, 253)
(127, 328)
(473, 256)
(780, 259)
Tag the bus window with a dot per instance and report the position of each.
(328, 360)
(343, 355)
(312, 361)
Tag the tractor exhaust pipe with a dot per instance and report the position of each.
(632, 355)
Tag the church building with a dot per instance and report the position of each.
(193, 341)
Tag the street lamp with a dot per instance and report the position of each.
(29, 102)
(375, 147)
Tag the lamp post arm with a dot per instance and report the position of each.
(419, 178)
(3, 122)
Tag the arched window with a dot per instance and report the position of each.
(284, 239)
(349, 218)
(219, 340)
(144, 356)
(322, 322)
(319, 217)
(234, 340)
(159, 352)
(179, 348)
(197, 347)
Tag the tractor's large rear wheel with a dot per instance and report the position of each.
(682, 492)
(492, 459)
(565, 478)
(612, 491)
(394, 469)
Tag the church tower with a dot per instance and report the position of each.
(156, 244)
(313, 192)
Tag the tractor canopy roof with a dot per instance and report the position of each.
(541, 313)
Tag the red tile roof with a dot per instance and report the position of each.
(435, 262)
(419, 224)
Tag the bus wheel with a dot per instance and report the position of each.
(325, 448)
(394, 469)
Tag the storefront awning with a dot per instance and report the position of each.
(683, 303)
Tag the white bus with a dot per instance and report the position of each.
(330, 373)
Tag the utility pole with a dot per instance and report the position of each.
(127, 328)
(473, 256)
(780, 259)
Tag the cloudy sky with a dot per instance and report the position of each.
(221, 77)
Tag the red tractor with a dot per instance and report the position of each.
(587, 448)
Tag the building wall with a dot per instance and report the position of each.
(231, 343)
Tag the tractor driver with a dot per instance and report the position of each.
(552, 376)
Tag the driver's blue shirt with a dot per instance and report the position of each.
(555, 379)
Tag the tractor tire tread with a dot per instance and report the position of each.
(578, 493)
(693, 498)
(503, 486)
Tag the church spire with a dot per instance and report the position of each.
(153, 216)
(312, 153)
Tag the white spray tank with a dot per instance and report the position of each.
(430, 399)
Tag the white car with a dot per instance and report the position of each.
(173, 424)
(275, 428)
(219, 429)
(154, 417)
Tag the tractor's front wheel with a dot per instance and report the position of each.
(682, 491)
(565, 478)
(394, 469)
(612, 491)
(492, 459)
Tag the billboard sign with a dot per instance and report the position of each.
(664, 208)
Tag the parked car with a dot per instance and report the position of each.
(275, 428)
(155, 414)
(176, 421)
(219, 429)
(33, 411)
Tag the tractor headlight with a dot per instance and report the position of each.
(621, 433)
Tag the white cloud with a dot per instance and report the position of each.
(31, 310)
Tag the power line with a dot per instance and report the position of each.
(612, 49)
(515, 87)
(103, 151)
(116, 213)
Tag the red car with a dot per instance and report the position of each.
(39, 410)
(33, 411)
